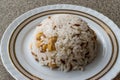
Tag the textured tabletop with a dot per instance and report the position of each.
(11, 9)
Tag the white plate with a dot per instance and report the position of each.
(18, 60)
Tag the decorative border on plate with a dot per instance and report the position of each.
(16, 32)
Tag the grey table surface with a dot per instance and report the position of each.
(11, 9)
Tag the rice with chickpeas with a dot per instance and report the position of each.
(64, 41)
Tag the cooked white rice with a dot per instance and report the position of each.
(65, 42)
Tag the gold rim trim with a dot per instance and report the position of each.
(110, 33)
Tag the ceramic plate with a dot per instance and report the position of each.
(17, 58)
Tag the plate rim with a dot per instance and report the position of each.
(41, 11)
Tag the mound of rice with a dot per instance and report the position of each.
(65, 42)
